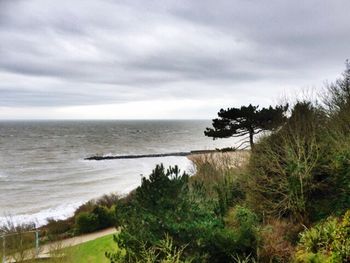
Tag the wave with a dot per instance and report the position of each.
(123, 177)
(41, 218)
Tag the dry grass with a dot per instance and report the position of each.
(219, 164)
(277, 240)
(218, 177)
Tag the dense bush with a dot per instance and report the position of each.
(165, 204)
(102, 207)
(55, 228)
(105, 217)
(218, 178)
(282, 169)
(295, 173)
(164, 252)
(277, 239)
(243, 222)
(106, 200)
(237, 239)
(86, 222)
(161, 206)
(99, 218)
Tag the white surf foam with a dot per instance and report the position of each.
(41, 218)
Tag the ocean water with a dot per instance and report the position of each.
(43, 173)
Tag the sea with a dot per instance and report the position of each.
(43, 173)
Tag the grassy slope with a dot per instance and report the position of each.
(93, 251)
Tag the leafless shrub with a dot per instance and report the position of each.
(277, 240)
(18, 240)
(281, 169)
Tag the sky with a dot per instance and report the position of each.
(136, 59)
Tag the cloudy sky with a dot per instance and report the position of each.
(109, 59)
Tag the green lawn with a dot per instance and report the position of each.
(93, 251)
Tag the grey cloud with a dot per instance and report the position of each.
(95, 52)
(299, 27)
(200, 68)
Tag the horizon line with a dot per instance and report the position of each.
(131, 119)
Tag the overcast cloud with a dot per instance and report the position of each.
(163, 59)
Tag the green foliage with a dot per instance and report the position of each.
(319, 236)
(86, 222)
(218, 180)
(162, 205)
(60, 229)
(247, 259)
(101, 217)
(333, 197)
(238, 239)
(341, 244)
(164, 252)
(244, 223)
(328, 241)
(105, 217)
(166, 204)
(229, 192)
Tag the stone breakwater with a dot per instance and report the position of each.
(136, 156)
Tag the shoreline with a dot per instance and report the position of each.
(40, 218)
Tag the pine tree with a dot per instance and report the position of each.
(246, 121)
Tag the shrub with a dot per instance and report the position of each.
(277, 240)
(337, 102)
(237, 240)
(221, 244)
(229, 192)
(244, 223)
(99, 218)
(57, 227)
(166, 204)
(341, 244)
(86, 222)
(288, 171)
(103, 207)
(19, 240)
(219, 177)
(106, 200)
(105, 217)
(163, 252)
(328, 241)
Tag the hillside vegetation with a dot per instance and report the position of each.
(286, 201)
